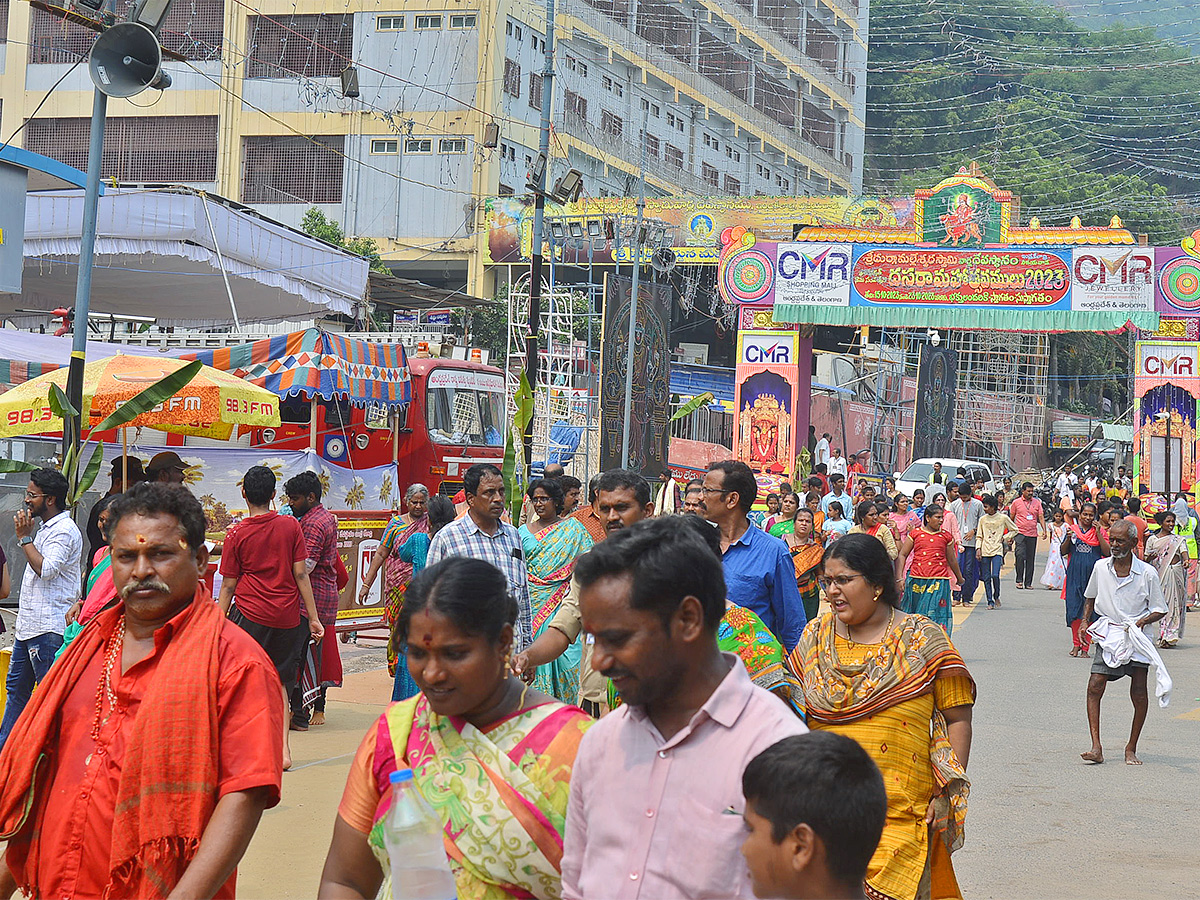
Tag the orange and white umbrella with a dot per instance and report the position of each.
(210, 405)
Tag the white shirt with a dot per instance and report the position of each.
(1121, 599)
(821, 452)
(1062, 484)
(837, 465)
(46, 598)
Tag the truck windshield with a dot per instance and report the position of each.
(465, 415)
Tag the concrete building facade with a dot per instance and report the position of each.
(734, 97)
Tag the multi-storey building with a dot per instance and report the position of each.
(733, 97)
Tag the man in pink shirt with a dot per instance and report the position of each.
(655, 806)
(1026, 512)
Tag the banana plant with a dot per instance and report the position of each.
(692, 405)
(78, 483)
(515, 476)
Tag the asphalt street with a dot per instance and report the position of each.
(1042, 823)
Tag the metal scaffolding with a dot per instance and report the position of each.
(1003, 379)
(556, 365)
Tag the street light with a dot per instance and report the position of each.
(1165, 416)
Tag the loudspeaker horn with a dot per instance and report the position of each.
(663, 260)
(125, 60)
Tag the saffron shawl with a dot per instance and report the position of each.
(168, 786)
(501, 793)
(903, 666)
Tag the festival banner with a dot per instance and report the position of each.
(765, 423)
(649, 430)
(1177, 284)
(1112, 278)
(933, 419)
(813, 274)
(1010, 279)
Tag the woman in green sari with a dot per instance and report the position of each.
(99, 591)
(492, 756)
(785, 522)
(551, 545)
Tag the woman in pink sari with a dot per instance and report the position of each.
(902, 519)
(491, 755)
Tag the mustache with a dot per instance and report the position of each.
(149, 584)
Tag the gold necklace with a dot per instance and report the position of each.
(891, 619)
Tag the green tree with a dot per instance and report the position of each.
(317, 224)
(1075, 121)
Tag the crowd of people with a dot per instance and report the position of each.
(638, 691)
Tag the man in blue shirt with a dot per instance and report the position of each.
(837, 491)
(759, 574)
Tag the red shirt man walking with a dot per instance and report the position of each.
(265, 578)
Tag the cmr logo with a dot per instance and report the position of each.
(1129, 268)
(773, 349)
(831, 263)
(1163, 360)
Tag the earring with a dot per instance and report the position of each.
(878, 594)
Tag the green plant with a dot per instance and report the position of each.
(692, 405)
(78, 482)
(515, 476)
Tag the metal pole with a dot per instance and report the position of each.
(633, 293)
(539, 207)
(83, 283)
(237, 325)
(1168, 455)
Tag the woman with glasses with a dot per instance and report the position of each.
(927, 587)
(893, 682)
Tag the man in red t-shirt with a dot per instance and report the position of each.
(266, 579)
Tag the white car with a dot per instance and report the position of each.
(916, 476)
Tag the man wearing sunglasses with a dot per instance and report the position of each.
(49, 587)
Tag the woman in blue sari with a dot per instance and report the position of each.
(551, 545)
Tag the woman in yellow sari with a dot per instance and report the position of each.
(806, 559)
(491, 755)
(894, 683)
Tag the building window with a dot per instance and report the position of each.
(381, 145)
(535, 90)
(611, 124)
(309, 46)
(782, 183)
(710, 141)
(575, 105)
(389, 23)
(512, 77)
(735, 155)
(732, 185)
(452, 145)
(171, 149)
(195, 30)
(418, 145)
(763, 171)
(516, 32)
(577, 65)
(651, 108)
(652, 144)
(462, 21)
(709, 174)
(673, 156)
(504, 190)
(292, 169)
(428, 23)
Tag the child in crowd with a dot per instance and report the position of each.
(836, 523)
(992, 539)
(815, 810)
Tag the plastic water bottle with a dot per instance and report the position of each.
(412, 835)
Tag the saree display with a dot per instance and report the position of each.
(501, 792)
